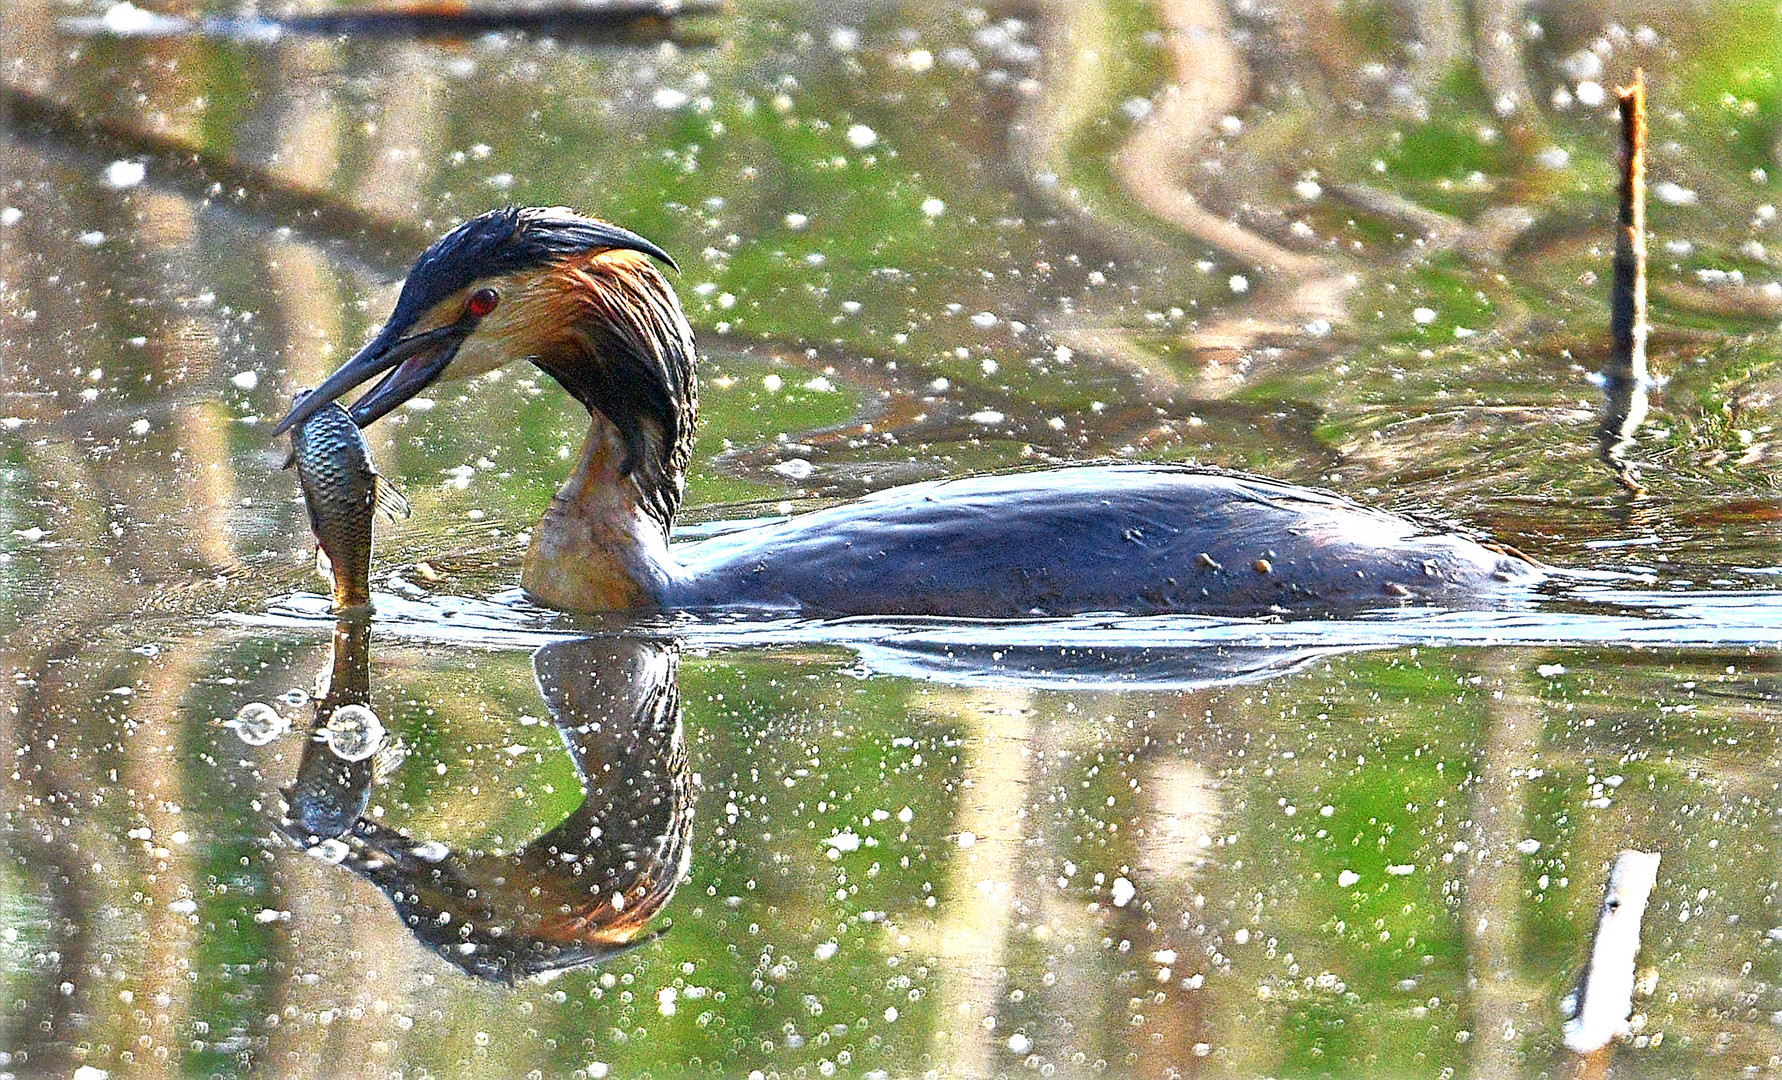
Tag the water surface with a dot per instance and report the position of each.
(918, 240)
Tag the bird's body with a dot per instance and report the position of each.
(579, 299)
(1137, 539)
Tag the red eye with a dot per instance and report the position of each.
(483, 301)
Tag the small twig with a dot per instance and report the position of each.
(1624, 379)
(1628, 318)
(619, 22)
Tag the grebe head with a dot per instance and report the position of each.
(576, 296)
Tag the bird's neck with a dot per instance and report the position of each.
(602, 545)
(612, 333)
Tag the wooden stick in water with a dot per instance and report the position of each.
(1625, 379)
(1604, 999)
(1628, 320)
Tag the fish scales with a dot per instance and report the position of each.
(342, 491)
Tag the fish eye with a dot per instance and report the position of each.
(482, 302)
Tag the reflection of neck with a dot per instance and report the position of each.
(598, 547)
(590, 887)
(616, 705)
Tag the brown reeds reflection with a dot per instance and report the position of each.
(584, 891)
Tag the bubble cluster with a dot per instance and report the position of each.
(353, 733)
(258, 723)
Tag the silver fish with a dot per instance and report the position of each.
(343, 492)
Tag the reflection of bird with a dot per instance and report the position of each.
(589, 888)
(580, 299)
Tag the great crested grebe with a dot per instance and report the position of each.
(581, 299)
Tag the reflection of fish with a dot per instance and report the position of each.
(331, 794)
(342, 491)
(332, 790)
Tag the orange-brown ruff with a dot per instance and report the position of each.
(603, 540)
(580, 299)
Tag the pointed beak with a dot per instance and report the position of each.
(412, 363)
(613, 236)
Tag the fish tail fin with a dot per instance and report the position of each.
(391, 502)
(388, 758)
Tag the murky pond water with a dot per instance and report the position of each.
(1354, 246)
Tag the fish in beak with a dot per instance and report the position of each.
(409, 365)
